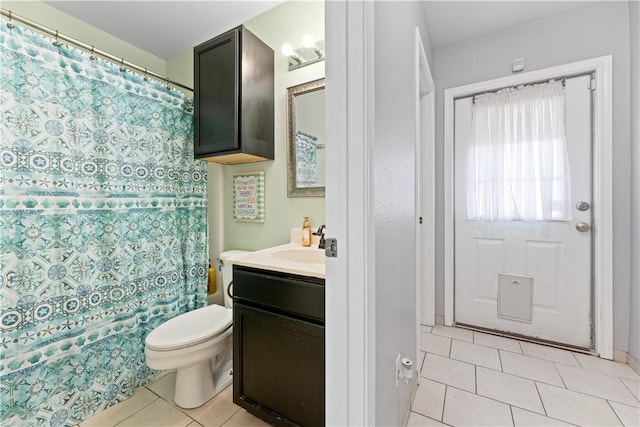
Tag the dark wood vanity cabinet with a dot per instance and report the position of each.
(278, 346)
(233, 99)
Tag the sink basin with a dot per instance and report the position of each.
(307, 256)
(289, 258)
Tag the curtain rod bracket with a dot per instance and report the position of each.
(57, 41)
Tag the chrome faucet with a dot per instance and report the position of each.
(320, 233)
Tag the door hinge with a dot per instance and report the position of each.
(592, 85)
(331, 247)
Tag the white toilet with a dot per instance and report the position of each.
(199, 345)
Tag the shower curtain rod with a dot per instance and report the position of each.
(59, 36)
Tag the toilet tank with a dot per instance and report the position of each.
(227, 273)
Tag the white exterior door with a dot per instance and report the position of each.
(528, 278)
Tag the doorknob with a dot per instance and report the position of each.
(582, 206)
(583, 227)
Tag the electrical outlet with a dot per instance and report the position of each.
(398, 367)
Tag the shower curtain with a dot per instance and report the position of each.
(102, 227)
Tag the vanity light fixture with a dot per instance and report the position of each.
(287, 50)
(309, 43)
(308, 54)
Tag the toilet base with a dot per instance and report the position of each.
(195, 385)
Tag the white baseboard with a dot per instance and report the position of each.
(624, 357)
(620, 356)
(414, 389)
(631, 361)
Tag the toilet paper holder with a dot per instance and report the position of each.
(405, 373)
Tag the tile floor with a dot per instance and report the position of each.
(467, 379)
(474, 379)
(152, 405)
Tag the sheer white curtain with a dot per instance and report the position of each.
(517, 166)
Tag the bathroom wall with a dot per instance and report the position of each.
(634, 300)
(394, 165)
(597, 30)
(288, 22)
(51, 17)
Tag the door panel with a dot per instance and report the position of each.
(489, 261)
(554, 254)
(546, 259)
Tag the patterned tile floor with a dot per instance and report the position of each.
(473, 379)
(467, 379)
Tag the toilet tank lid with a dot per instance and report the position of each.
(190, 328)
(233, 253)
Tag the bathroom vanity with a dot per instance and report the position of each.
(278, 341)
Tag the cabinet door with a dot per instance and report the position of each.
(278, 367)
(216, 75)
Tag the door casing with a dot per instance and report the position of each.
(425, 191)
(425, 188)
(602, 186)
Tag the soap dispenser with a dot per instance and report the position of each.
(306, 232)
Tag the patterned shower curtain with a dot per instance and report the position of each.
(102, 227)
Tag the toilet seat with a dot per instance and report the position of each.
(190, 328)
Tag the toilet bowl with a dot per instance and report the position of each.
(199, 346)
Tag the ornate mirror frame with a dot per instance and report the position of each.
(292, 92)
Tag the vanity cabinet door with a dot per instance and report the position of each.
(278, 367)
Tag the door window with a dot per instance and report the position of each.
(518, 166)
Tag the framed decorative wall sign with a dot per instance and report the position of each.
(248, 197)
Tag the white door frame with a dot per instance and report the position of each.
(350, 278)
(425, 188)
(602, 187)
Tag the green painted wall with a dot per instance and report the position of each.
(282, 212)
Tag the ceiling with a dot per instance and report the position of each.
(452, 22)
(166, 28)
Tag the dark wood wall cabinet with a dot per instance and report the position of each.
(233, 99)
(278, 346)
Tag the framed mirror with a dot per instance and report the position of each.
(306, 159)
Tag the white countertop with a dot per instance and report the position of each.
(275, 259)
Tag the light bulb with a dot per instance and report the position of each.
(308, 42)
(286, 49)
